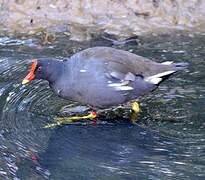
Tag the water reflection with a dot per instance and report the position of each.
(168, 141)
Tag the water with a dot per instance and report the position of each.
(167, 143)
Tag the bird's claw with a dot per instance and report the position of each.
(69, 120)
(135, 110)
(136, 107)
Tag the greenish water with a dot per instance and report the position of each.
(167, 143)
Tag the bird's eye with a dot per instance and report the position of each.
(39, 69)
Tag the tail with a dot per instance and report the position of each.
(176, 66)
(160, 77)
(180, 66)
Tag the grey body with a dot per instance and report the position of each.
(103, 77)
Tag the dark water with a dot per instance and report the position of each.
(167, 143)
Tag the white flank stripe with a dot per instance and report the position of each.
(167, 62)
(120, 86)
(83, 70)
(124, 88)
(115, 84)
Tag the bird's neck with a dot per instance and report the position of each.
(55, 71)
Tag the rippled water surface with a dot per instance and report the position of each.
(167, 143)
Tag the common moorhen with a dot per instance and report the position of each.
(102, 77)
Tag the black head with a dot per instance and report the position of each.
(44, 69)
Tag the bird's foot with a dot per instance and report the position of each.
(135, 110)
(69, 120)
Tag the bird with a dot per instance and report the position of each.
(102, 77)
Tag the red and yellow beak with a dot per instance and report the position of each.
(31, 74)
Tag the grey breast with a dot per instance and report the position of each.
(90, 84)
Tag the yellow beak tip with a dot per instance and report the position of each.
(25, 81)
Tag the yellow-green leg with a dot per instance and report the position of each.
(135, 110)
(68, 120)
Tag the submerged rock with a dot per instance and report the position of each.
(83, 18)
